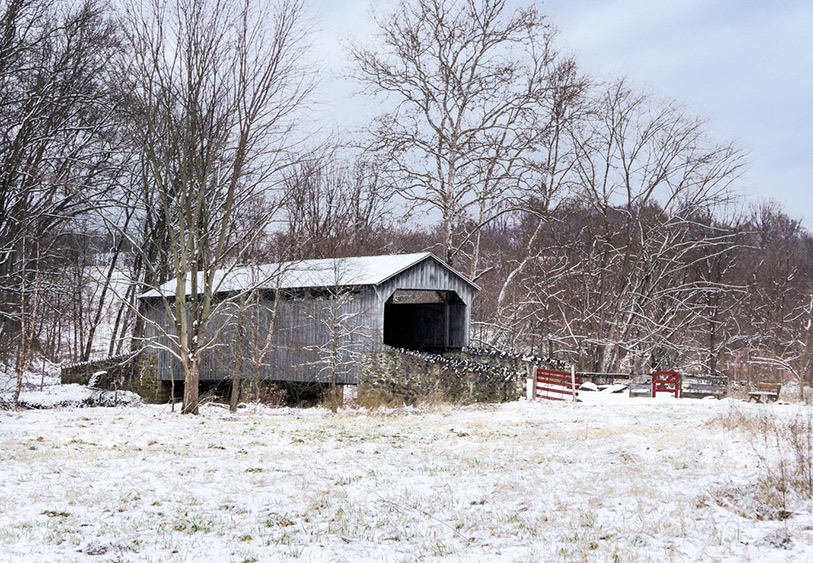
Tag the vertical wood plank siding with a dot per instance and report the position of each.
(302, 340)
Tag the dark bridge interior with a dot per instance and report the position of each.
(425, 320)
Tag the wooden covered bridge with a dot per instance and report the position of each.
(327, 314)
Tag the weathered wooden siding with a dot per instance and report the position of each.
(302, 348)
(302, 342)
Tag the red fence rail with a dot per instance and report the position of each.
(666, 382)
(556, 385)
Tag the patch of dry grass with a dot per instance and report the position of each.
(782, 443)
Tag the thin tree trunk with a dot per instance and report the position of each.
(239, 349)
(26, 333)
(97, 317)
(334, 360)
(191, 383)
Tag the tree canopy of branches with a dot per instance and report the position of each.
(211, 86)
(617, 274)
(334, 208)
(470, 85)
(56, 138)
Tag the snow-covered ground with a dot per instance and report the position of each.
(46, 376)
(635, 480)
(43, 391)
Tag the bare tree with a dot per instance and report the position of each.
(105, 280)
(609, 277)
(57, 137)
(722, 290)
(467, 81)
(339, 313)
(648, 170)
(28, 322)
(212, 87)
(252, 322)
(543, 206)
(341, 320)
(336, 207)
(779, 304)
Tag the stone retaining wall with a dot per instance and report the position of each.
(468, 376)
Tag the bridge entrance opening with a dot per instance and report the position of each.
(425, 320)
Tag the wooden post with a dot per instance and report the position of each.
(573, 382)
(530, 384)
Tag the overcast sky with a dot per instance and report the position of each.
(746, 65)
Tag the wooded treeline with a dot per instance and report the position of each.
(166, 140)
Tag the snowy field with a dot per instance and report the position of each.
(636, 480)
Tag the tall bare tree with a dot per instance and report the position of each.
(212, 87)
(467, 82)
(611, 276)
(648, 170)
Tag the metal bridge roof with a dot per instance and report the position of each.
(303, 274)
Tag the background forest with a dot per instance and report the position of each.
(141, 142)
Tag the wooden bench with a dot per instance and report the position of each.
(700, 386)
(765, 393)
(640, 385)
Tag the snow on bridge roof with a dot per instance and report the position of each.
(302, 274)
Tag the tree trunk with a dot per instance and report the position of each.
(191, 368)
(334, 360)
(237, 379)
(28, 326)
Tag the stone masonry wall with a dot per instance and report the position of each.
(466, 376)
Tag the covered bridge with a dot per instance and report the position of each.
(323, 316)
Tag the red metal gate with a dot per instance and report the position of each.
(556, 385)
(666, 381)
